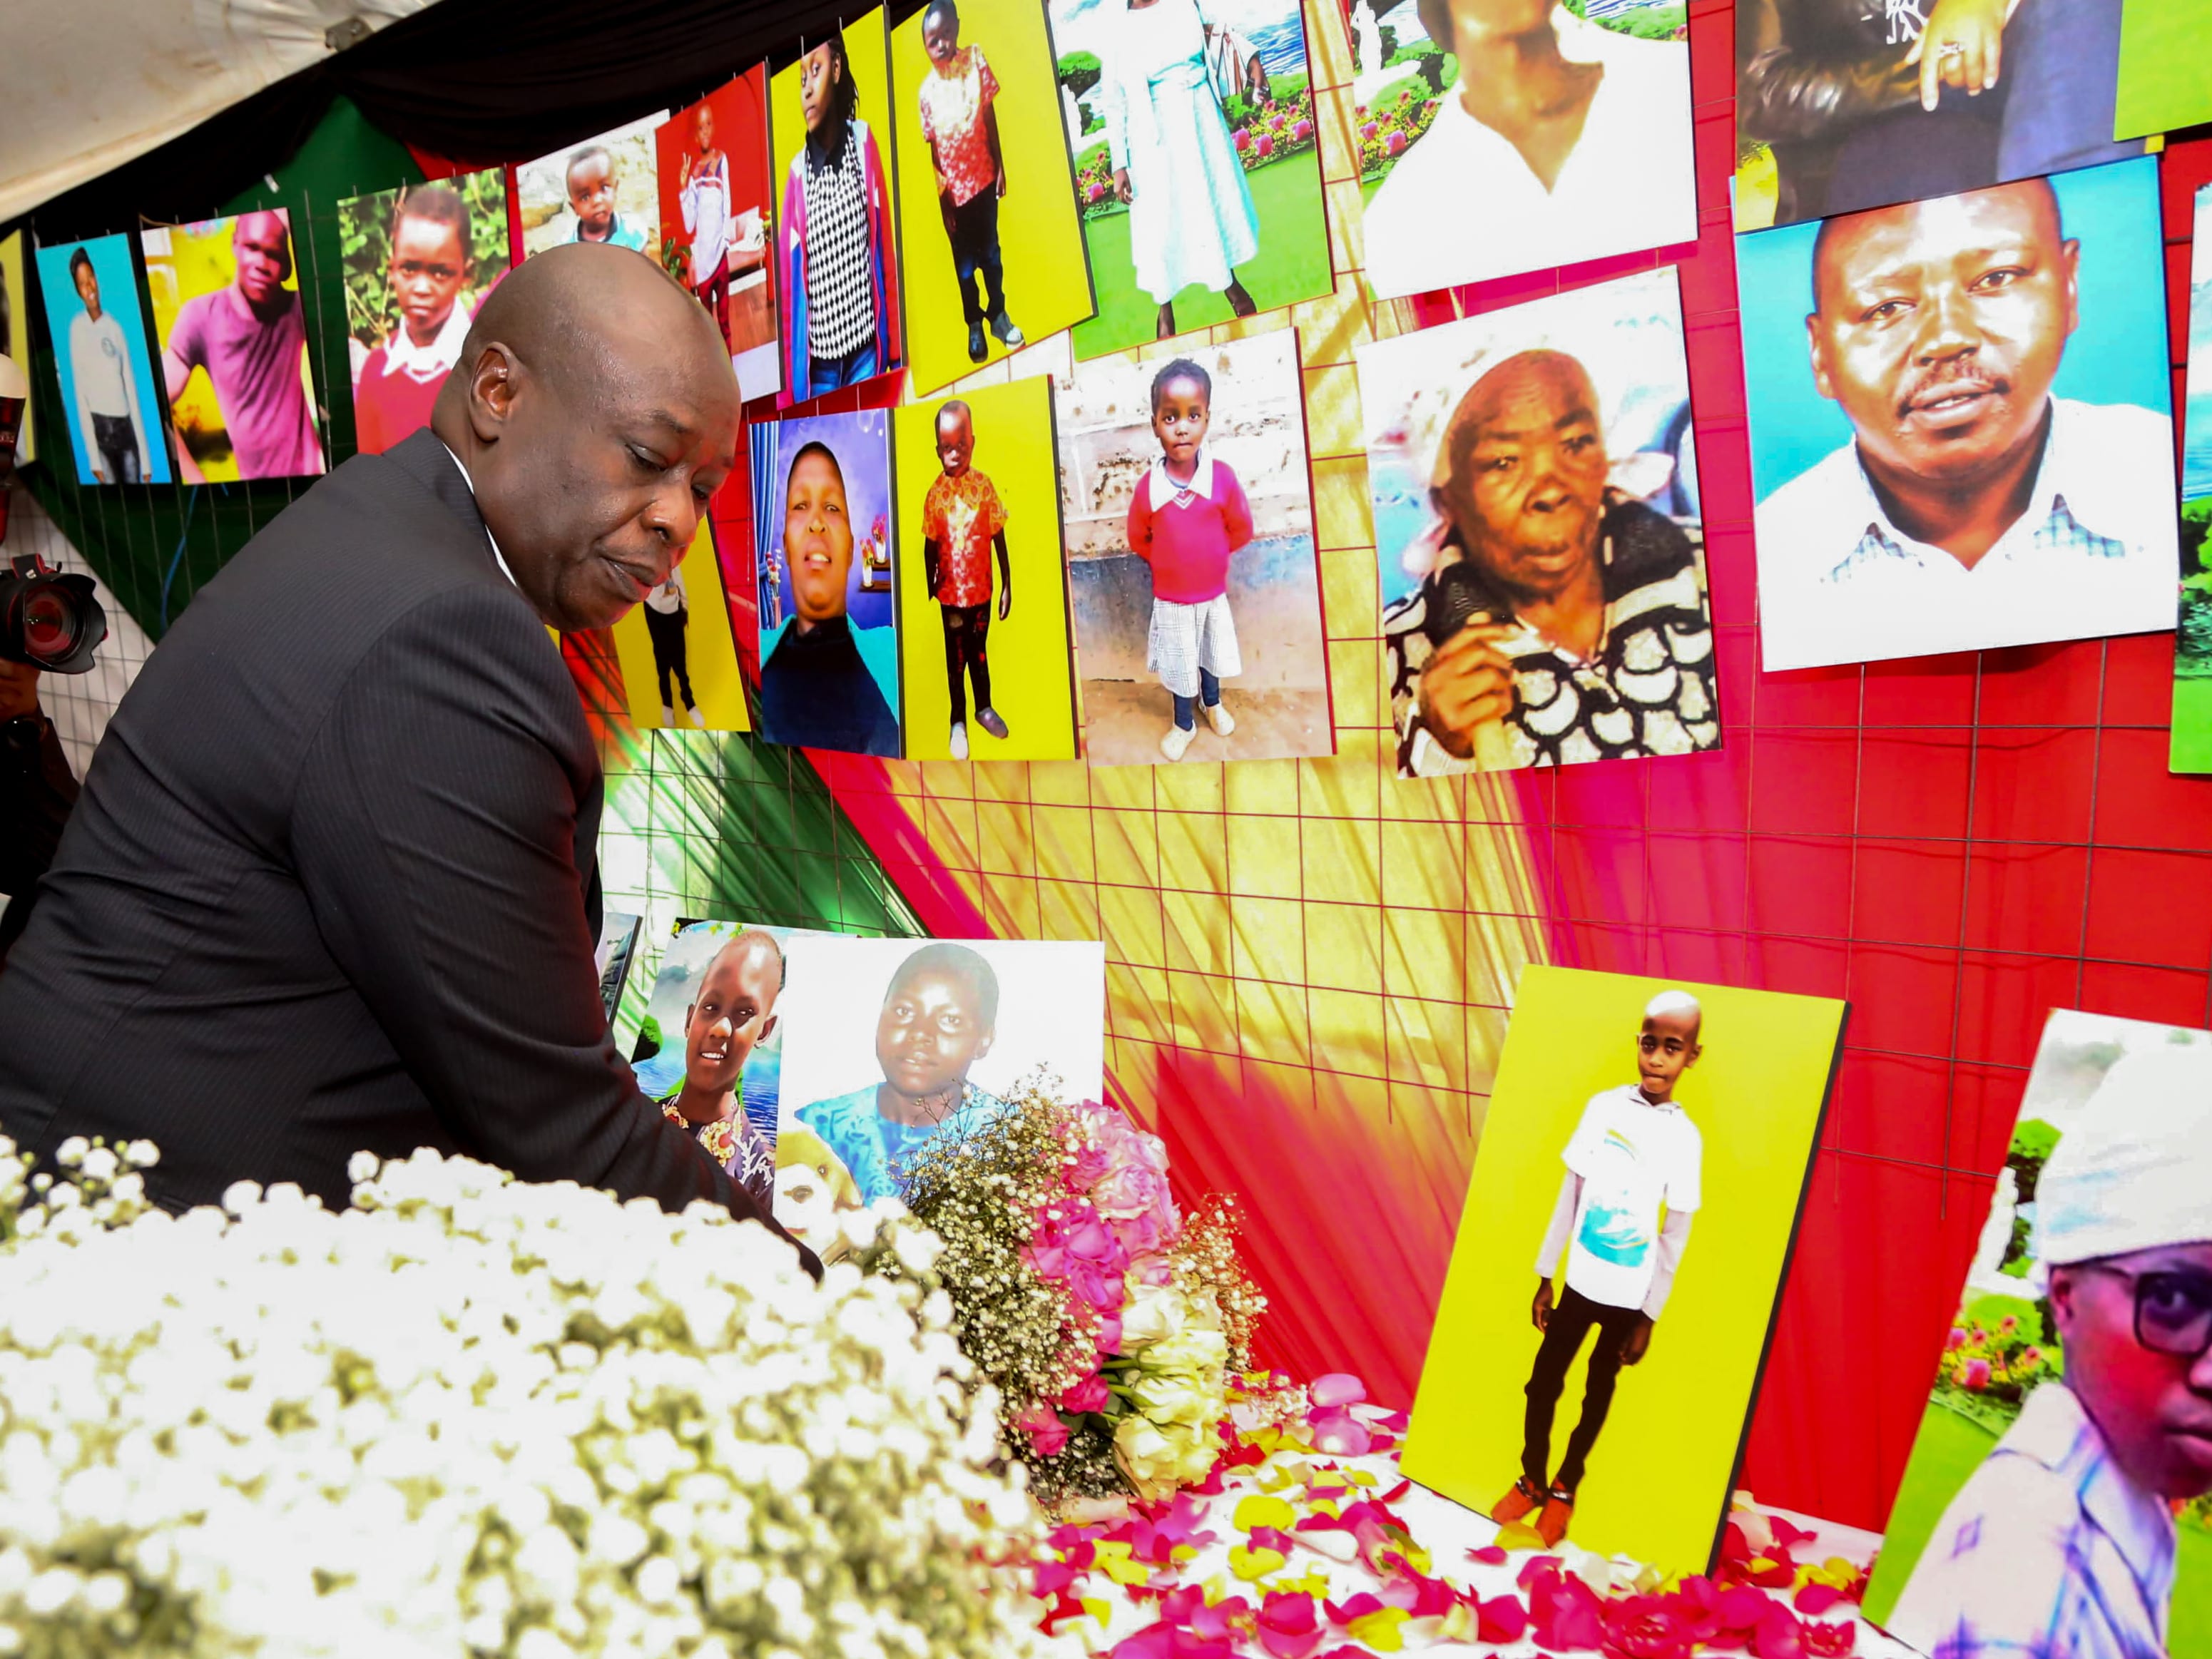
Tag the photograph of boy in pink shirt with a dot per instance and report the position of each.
(1188, 516)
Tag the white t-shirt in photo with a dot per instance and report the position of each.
(1632, 1156)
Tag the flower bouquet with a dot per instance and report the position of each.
(475, 1417)
(1110, 1324)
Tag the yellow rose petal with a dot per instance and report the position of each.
(1259, 1510)
(1379, 1628)
(1250, 1564)
(1518, 1537)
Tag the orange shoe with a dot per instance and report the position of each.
(1559, 1510)
(1516, 1504)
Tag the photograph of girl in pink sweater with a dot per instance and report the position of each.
(1188, 516)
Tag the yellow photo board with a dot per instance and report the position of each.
(1030, 223)
(662, 652)
(1658, 1480)
(1027, 659)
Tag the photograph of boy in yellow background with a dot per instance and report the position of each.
(999, 595)
(1660, 1477)
(994, 255)
(688, 679)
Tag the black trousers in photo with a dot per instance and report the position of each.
(665, 629)
(975, 248)
(119, 447)
(1571, 1321)
(967, 634)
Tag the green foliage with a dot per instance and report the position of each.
(364, 250)
(1655, 20)
(1079, 71)
(2033, 1142)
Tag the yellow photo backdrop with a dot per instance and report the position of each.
(867, 55)
(1029, 657)
(710, 652)
(15, 330)
(1657, 1484)
(1046, 272)
(182, 262)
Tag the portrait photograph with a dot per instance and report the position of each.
(233, 332)
(838, 275)
(678, 651)
(717, 220)
(1498, 136)
(615, 951)
(2163, 82)
(1540, 541)
(1605, 1318)
(1187, 514)
(1960, 417)
(418, 262)
(598, 189)
(824, 512)
(993, 242)
(1197, 163)
(16, 329)
(2192, 640)
(110, 403)
(1841, 106)
(2058, 1498)
(982, 587)
(890, 1043)
(709, 1045)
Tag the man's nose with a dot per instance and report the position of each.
(674, 517)
(1948, 328)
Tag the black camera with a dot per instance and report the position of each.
(48, 618)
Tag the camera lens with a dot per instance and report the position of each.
(49, 625)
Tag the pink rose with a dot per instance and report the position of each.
(1098, 192)
(1974, 1375)
(1243, 139)
(1955, 1342)
(1131, 1189)
(1267, 144)
(1303, 130)
(1047, 1433)
(1109, 1335)
(1367, 129)
(1091, 1394)
(1395, 143)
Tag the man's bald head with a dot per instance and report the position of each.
(261, 253)
(595, 409)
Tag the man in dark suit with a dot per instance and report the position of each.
(331, 885)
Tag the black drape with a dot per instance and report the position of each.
(477, 81)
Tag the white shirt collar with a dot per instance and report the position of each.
(488, 536)
(402, 356)
(1165, 490)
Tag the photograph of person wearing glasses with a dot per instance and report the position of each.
(2056, 1499)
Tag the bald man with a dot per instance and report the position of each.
(332, 884)
(1564, 620)
(1971, 507)
(252, 339)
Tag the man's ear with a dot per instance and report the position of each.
(1822, 381)
(768, 1026)
(2070, 259)
(984, 1047)
(492, 385)
(688, 1010)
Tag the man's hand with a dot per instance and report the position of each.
(1005, 599)
(1963, 46)
(1639, 1340)
(1540, 1310)
(1466, 684)
(929, 574)
(99, 474)
(1121, 190)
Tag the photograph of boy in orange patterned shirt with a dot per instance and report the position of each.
(962, 129)
(963, 522)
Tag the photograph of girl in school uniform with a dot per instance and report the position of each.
(1198, 167)
(1575, 121)
(1187, 519)
(601, 190)
(716, 212)
(828, 622)
(837, 249)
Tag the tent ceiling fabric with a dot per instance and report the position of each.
(90, 84)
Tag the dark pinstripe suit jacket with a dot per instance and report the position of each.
(332, 884)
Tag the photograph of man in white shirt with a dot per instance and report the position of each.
(1633, 1179)
(1562, 140)
(109, 420)
(1972, 507)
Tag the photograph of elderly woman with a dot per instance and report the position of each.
(1197, 168)
(828, 622)
(2058, 1499)
(893, 1042)
(1574, 120)
(418, 260)
(1534, 478)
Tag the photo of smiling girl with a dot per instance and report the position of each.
(830, 669)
